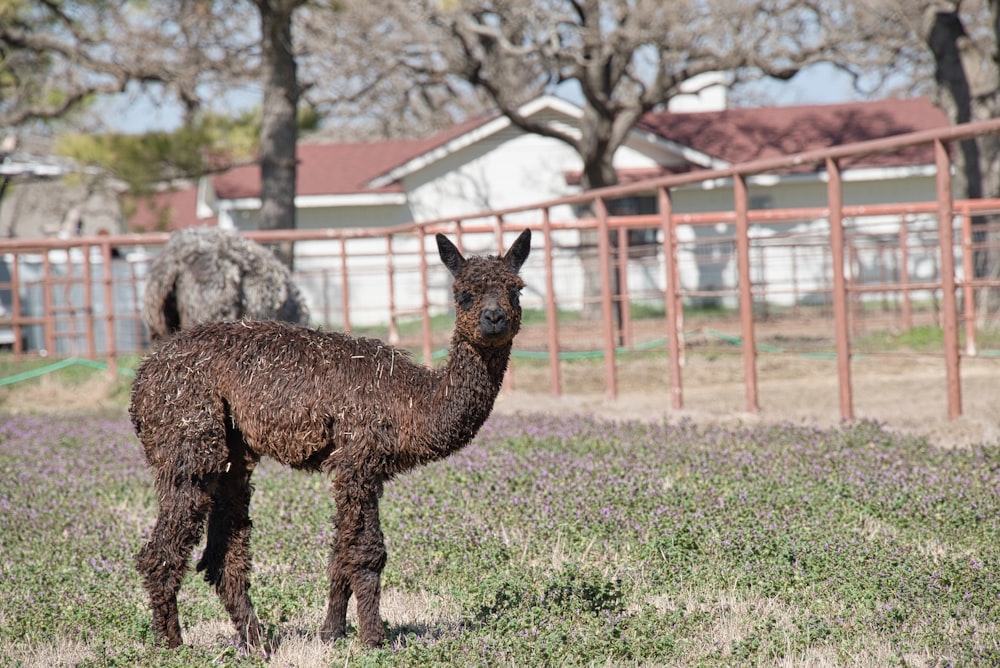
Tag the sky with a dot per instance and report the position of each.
(134, 113)
(819, 84)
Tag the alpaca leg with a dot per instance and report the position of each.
(356, 562)
(227, 559)
(335, 625)
(367, 557)
(367, 585)
(163, 560)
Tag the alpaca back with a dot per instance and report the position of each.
(292, 393)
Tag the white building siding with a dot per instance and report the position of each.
(343, 217)
(511, 169)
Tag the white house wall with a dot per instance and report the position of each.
(514, 168)
(511, 168)
(791, 274)
(352, 217)
(318, 273)
(812, 193)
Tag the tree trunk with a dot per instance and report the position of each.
(945, 37)
(599, 172)
(279, 128)
(965, 96)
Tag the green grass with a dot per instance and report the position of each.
(925, 338)
(548, 541)
(916, 339)
(407, 327)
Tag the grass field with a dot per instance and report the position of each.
(548, 541)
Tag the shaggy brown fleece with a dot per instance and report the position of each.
(216, 398)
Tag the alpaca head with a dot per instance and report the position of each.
(487, 291)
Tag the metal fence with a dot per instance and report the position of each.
(602, 287)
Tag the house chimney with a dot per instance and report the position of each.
(704, 92)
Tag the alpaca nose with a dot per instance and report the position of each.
(493, 321)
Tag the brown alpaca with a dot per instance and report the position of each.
(216, 398)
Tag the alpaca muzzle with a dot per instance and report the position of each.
(493, 323)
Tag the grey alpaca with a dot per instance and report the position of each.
(209, 403)
(208, 273)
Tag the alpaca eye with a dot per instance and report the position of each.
(515, 296)
(464, 300)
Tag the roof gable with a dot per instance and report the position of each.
(473, 131)
(377, 167)
(341, 168)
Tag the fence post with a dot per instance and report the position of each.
(949, 307)
(15, 303)
(904, 270)
(88, 302)
(391, 274)
(624, 307)
(459, 237)
(425, 328)
(109, 309)
(835, 202)
(604, 257)
(345, 292)
(741, 207)
(672, 297)
(968, 290)
(551, 311)
(48, 317)
(498, 234)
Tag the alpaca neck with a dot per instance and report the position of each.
(468, 386)
(460, 401)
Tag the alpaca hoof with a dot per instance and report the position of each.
(255, 641)
(373, 639)
(329, 635)
(263, 649)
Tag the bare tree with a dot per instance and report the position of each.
(966, 50)
(192, 49)
(368, 71)
(56, 57)
(623, 57)
(949, 50)
(279, 126)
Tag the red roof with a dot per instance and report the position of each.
(345, 168)
(163, 211)
(731, 135)
(324, 169)
(741, 135)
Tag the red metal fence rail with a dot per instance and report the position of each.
(80, 314)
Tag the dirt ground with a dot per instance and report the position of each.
(907, 393)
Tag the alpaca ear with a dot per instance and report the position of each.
(450, 255)
(518, 252)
